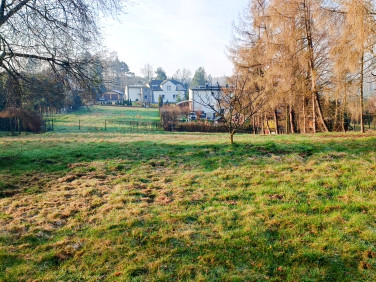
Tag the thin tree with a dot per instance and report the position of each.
(147, 72)
(358, 42)
(236, 104)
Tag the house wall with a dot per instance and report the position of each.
(202, 98)
(133, 93)
(169, 93)
(169, 96)
(112, 96)
(146, 95)
(168, 84)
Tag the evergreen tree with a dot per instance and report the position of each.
(161, 74)
(200, 78)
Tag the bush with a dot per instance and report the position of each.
(201, 126)
(170, 114)
(13, 119)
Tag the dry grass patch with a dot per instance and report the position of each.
(188, 207)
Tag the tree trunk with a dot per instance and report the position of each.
(232, 133)
(313, 114)
(287, 120)
(304, 117)
(312, 67)
(276, 121)
(12, 125)
(254, 125)
(335, 127)
(267, 124)
(291, 117)
(362, 94)
(319, 110)
(344, 110)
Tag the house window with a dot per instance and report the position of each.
(174, 96)
(146, 97)
(163, 96)
(168, 88)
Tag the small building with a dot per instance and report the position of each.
(112, 96)
(138, 93)
(205, 99)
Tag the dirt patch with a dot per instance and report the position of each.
(56, 205)
(76, 199)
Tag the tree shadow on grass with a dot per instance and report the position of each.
(206, 157)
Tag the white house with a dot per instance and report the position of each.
(137, 93)
(206, 100)
(170, 90)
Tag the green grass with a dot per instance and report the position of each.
(93, 119)
(112, 206)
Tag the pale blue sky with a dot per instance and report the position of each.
(175, 34)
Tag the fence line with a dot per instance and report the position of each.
(108, 125)
(16, 125)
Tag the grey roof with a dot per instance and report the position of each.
(206, 88)
(182, 102)
(135, 86)
(177, 83)
(180, 87)
(116, 91)
(155, 85)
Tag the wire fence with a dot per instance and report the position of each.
(107, 125)
(16, 126)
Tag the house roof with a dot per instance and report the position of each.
(114, 91)
(183, 102)
(173, 81)
(179, 85)
(206, 88)
(155, 85)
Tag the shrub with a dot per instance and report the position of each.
(170, 114)
(29, 121)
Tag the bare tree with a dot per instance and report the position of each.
(236, 104)
(55, 33)
(147, 72)
(357, 43)
(182, 75)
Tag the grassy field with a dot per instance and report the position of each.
(98, 118)
(165, 206)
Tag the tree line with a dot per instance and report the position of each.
(41, 90)
(312, 60)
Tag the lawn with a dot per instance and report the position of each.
(166, 206)
(103, 118)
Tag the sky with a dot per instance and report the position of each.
(175, 34)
